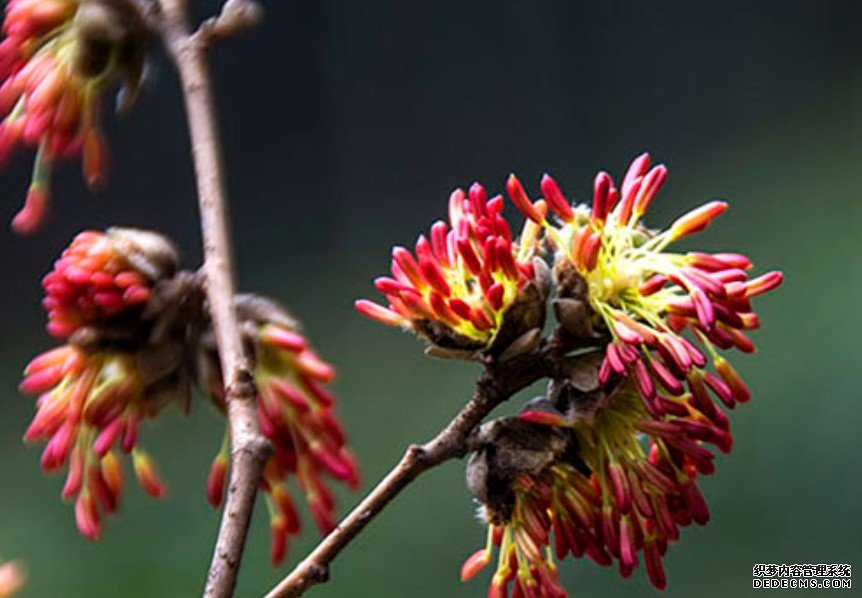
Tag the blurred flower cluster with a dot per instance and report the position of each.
(137, 337)
(56, 62)
(113, 373)
(606, 464)
(297, 415)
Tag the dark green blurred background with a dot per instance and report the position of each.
(346, 125)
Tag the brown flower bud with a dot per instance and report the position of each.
(511, 448)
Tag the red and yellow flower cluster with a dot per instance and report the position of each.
(659, 319)
(457, 287)
(645, 297)
(644, 445)
(45, 103)
(137, 334)
(297, 415)
(92, 281)
(57, 59)
(91, 401)
(640, 490)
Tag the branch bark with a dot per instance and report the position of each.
(496, 384)
(249, 448)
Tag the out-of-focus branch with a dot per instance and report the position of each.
(496, 384)
(235, 17)
(249, 448)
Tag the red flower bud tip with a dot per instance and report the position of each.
(87, 517)
(519, 197)
(637, 169)
(59, 447)
(652, 285)
(590, 253)
(41, 380)
(732, 379)
(108, 436)
(112, 472)
(721, 389)
(649, 189)
(623, 211)
(477, 561)
(602, 196)
(323, 516)
(555, 199)
(278, 545)
(75, 477)
(620, 486)
(628, 554)
(283, 338)
(734, 260)
(696, 220)
(433, 276)
(763, 284)
(547, 418)
(379, 313)
(695, 502)
(216, 480)
(145, 471)
(655, 570)
(32, 215)
(312, 366)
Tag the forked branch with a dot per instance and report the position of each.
(249, 448)
(497, 383)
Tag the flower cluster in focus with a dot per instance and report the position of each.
(645, 297)
(606, 464)
(56, 61)
(469, 285)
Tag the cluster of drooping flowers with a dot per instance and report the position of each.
(643, 477)
(606, 464)
(296, 414)
(11, 578)
(56, 61)
(137, 335)
(94, 392)
(469, 286)
(522, 541)
(631, 490)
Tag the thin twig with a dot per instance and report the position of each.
(496, 384)
(249, 448)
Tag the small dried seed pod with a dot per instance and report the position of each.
(526, 343)
(573, 316)
(570, 283)
(525, 313)
(511, 447)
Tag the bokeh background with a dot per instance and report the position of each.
(346, 125)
